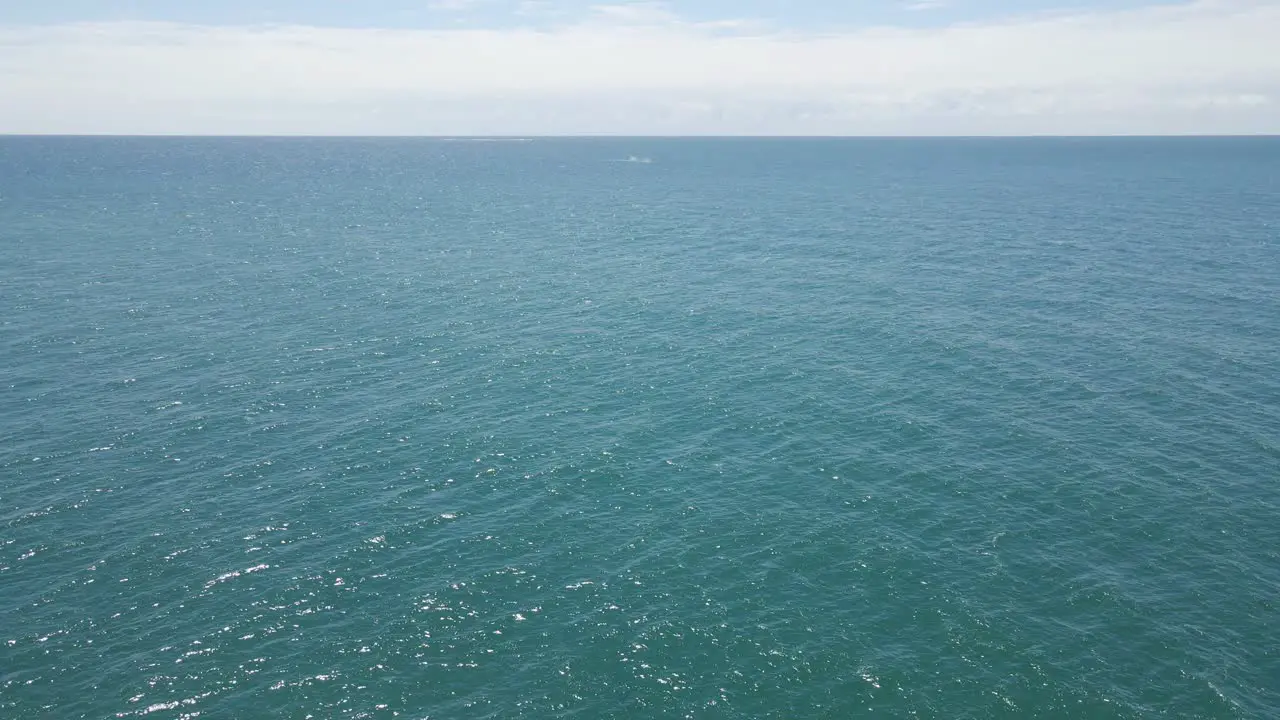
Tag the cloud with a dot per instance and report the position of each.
(635, 13)
(1207, 67)
(535, 7)
(453, 5)
(921, 5)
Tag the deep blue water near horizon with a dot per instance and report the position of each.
(639, 428)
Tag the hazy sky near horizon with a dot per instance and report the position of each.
(495, 67)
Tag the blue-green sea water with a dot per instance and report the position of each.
(638, 428)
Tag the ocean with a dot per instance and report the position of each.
(639, 428)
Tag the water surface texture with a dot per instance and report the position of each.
(636, 428)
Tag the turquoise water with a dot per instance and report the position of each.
(637, 428)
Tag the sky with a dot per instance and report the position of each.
(684, 67)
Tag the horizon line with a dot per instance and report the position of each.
(625, 136)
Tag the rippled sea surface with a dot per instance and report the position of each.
(635, 428)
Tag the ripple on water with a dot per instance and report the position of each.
(365, 427)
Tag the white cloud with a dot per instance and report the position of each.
(920, 5)
(453, 5)
(1207, 67)
(535, 7)
(635, 13)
